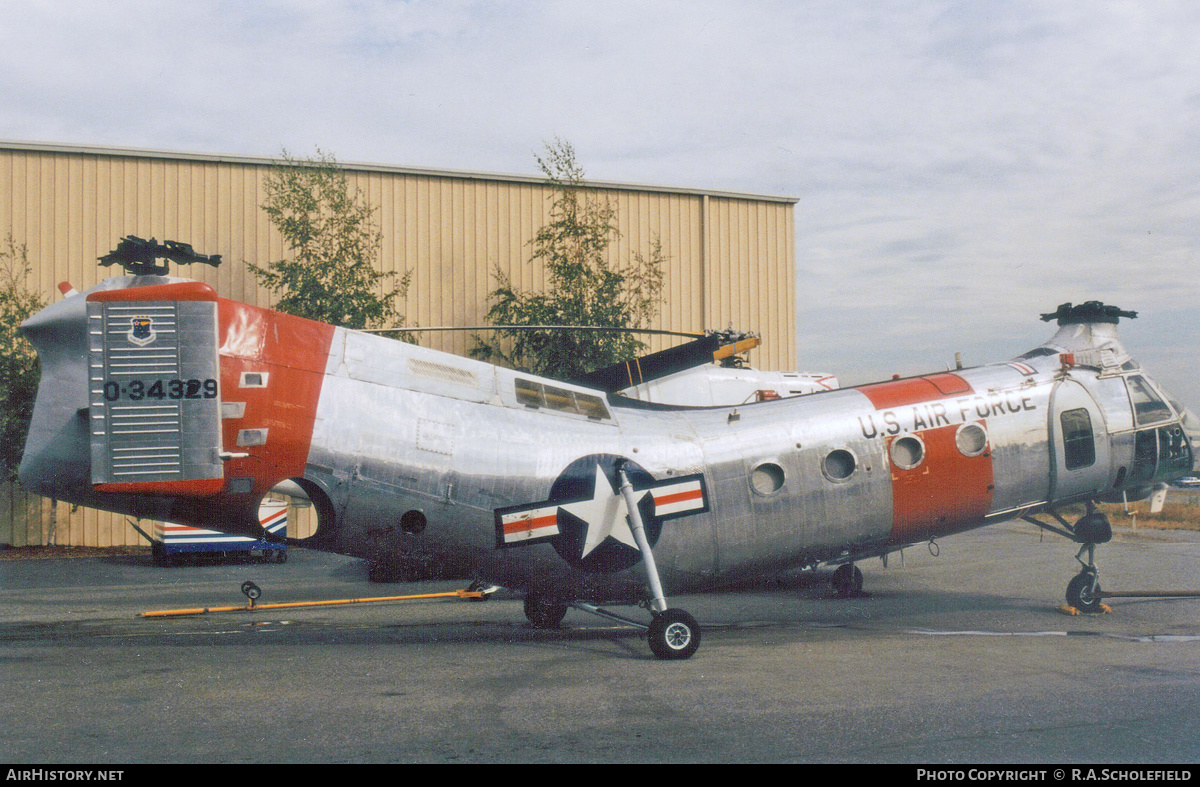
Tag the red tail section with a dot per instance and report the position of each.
(272, 366)
(192, 395)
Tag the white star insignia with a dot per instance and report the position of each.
(604, 515)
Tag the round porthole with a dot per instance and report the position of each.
(839, 465)
(412, 522)
(971, 439)
(907, 452)
(767, 478)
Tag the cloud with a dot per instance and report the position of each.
(961, 166)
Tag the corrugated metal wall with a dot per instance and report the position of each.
(730, 257)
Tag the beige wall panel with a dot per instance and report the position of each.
(730, 259)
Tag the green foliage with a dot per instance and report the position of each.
(584, 287)
(18, 361)
(335, 242)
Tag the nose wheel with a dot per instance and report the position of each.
(1091, 529)
(1083, 592)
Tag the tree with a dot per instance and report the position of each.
(335, 241)
(584, 287)
(18, 361)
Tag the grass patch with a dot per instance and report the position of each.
(1176, 514)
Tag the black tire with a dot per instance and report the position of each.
(281, 556)
(674, 635)
(544, 612)
(1083, 592)
(848, 581)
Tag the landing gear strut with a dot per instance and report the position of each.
(1091, 529)
(673, 634)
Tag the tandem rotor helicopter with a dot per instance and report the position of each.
(159, 399)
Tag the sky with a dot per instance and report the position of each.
(960, 167)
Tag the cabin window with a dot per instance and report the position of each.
(1149, 407)
(767, 478)
(839, 465)
(529, 393)
(907, 452)
(1079, 445)
(534, 394)
(971, 439)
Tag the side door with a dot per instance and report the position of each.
(1082, 452)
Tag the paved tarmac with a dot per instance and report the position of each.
(960, 658)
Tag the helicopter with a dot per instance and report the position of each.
(160, 399)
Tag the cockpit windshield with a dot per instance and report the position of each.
(1148, 406)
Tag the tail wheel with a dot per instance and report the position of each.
(1083, 592)
(674, 634)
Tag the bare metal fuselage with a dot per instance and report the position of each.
(408, 449)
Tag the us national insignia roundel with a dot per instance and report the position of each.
(586, 518)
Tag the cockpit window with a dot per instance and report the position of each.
(1147, 405)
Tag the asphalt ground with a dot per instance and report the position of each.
(961, 658)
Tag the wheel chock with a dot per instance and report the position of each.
(1067, 609)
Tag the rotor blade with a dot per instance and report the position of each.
(602, 328)
(660, 364)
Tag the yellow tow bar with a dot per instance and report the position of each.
(251, 606)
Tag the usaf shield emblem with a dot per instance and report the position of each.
(141, 331)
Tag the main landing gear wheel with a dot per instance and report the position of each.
(674, 634)
(848, 580)
(251, 591)
(544, 612)
(1083, 592)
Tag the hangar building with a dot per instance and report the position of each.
(730, 256)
